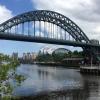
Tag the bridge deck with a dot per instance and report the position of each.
(21, 37)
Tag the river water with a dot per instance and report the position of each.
(45, 79)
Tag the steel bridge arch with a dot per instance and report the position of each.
(47, 16)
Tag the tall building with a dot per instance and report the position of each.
(33, 56)
(29, 57)
(15, 55)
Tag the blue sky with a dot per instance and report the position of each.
(10, 8)
(17, 7)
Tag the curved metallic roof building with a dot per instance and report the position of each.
(61, 50)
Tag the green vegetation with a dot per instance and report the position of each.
(44, 57)
(58, 57)
(8, 66)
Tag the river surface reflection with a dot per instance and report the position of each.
(73, 85)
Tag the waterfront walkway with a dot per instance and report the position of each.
(94, 70)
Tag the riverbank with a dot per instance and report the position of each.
(57, 64)
(94, 70)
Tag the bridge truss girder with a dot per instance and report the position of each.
(47, 16)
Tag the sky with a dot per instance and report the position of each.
(85, 13)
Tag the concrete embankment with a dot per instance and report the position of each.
(95, 70)
(57, 64)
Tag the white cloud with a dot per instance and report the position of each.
(5, 13)
(37, 33)
(46, 31)
(85, 13)
(97, 29)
